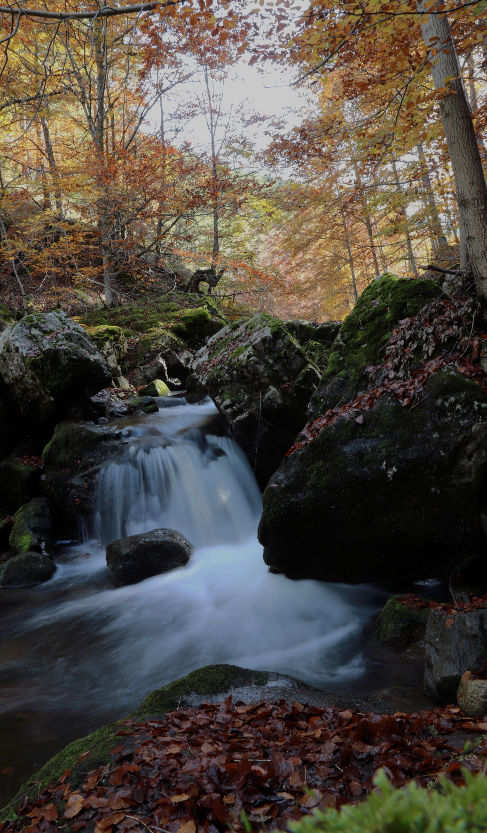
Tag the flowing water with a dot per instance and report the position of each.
(77, 652)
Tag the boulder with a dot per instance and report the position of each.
(195, 325)
(31, 531)
(155, 388)
(364, 334)
(137, 557)
(26, 569)
(49, 366)
(146, 404)
(472, 695)
(394, 497)
(401, 624)
(112, 344)
(454, 644)
(72, 460)
(18, 482)
(162, 355)
(261, 381)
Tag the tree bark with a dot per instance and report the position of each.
(438, 239)
(409, 246)
(104, 218)
(350, 256)
(461, 140)
(52, 167)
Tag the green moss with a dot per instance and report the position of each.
(105, 332)
(411, 809)
(155, 388)
(317, 353)
(31, 525)
(194, 325)
(366, 330)
(398, 624)
(211, 679)
(146, 404)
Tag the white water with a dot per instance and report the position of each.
(80, 647)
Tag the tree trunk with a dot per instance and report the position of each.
(350, 256)
(461, 140)
(104, 218)
(52, 168)
(438, 239)
(215, 255)
(410, 254)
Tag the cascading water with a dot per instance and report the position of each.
(79, 652)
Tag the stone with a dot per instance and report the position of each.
(161, 354)
(453, 645)
(146, 404)
(396, 497)
(112, 344)
(195, 325)
(472, 695)
(155, 388)
(27, 569)
(18, 483)
(32, 527)
(261, 380)
(49, 366)
(137, 557)
(399, 624)
(72, 459)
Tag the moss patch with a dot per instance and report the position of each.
(70, 442)
(366, 330)
(397, 624)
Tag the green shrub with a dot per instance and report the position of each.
(408, 810)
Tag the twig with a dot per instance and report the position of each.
(441, 270)
(150, 829)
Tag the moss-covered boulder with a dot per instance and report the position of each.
(195, 325)
(397, 495)
(18, 482)
(26, 569)
(32, 527)
(401, 623)
(155, 388)
(72, 460)
(112, 344)
(364, 334)
(160, 354)
(49, 366)
(145, 404)
(261, 380)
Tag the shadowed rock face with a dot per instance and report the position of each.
(398, 497)
(49, 367)
(453, 645)
(132, 559)
(261, 380)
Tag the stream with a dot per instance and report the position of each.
(76, 652)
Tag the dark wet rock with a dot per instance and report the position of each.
(27, 569)
(106, 404)
(160, 354)
(261, 380)
(454, 644)
(146, 404)
(6, 525)
(72, 459)
(18, 483)
(195, 325)
(397, 497)
(49, 367)
(32, 527)
(399, 624)
(137, 557)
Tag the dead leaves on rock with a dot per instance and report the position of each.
(203, 770)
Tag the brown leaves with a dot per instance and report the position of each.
(274, 762)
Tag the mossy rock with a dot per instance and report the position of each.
(70, 442)
(305, 331)
(146, 404)
(398, 624)
(111, 342)
(18, 483)
(365, 332)
(6, 525)
(31, 529)
(155, 388)
(194, 326)
(84, 755)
